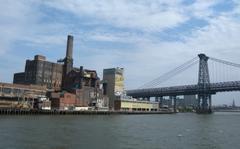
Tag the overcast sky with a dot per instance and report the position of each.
(145, 37)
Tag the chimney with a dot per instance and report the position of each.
(68, 60)
(81, 75)
(69, 52)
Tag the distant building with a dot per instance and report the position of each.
(113, 84)
(167, 102)
(233, 104)
(181, 101)
(190, 100)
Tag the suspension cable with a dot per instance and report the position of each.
(225, 62)
(225, 72)
(169, 77)
(170, 74)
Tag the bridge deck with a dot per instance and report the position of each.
(185, 90)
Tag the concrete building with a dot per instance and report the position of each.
(134, 105)
(113, 84)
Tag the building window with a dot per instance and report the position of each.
(7, 90)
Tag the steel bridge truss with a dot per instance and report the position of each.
(204, 89)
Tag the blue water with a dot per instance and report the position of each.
(176, 131)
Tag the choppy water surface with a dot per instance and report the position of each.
(180, 131)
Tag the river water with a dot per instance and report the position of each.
(174, 131)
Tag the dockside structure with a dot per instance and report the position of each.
(16, 95)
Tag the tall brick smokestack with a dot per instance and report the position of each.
(68, 60)
(69, 51)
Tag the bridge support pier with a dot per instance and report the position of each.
(210, 102)
(204, 104)
(160, 101)
(174, 100)
(175, 104)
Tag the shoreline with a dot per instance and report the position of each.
(54, 112)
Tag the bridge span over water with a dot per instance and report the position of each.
(204, 89)
(185, 90)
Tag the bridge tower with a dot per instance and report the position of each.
(204, 96)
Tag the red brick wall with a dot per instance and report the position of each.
(66, 100)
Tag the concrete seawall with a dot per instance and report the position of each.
(54, 112)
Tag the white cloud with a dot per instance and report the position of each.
(202, 8)
(218, 38)
(152, 15)
(148, 15)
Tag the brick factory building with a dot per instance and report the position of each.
(63, 101)
(63, 81)
(40, 72)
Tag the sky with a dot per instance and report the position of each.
(145, 37)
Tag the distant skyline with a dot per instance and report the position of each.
(145, 37)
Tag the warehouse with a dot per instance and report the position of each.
(134, 105)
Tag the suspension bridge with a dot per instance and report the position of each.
(204, 89)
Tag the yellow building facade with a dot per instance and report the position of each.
(114, 80)
(131, 105)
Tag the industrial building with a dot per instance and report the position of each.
(113, 84)
(135, 105)
(39, 71)
(63, 101)
(17, 96)
(63, 80)
(42, 72)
